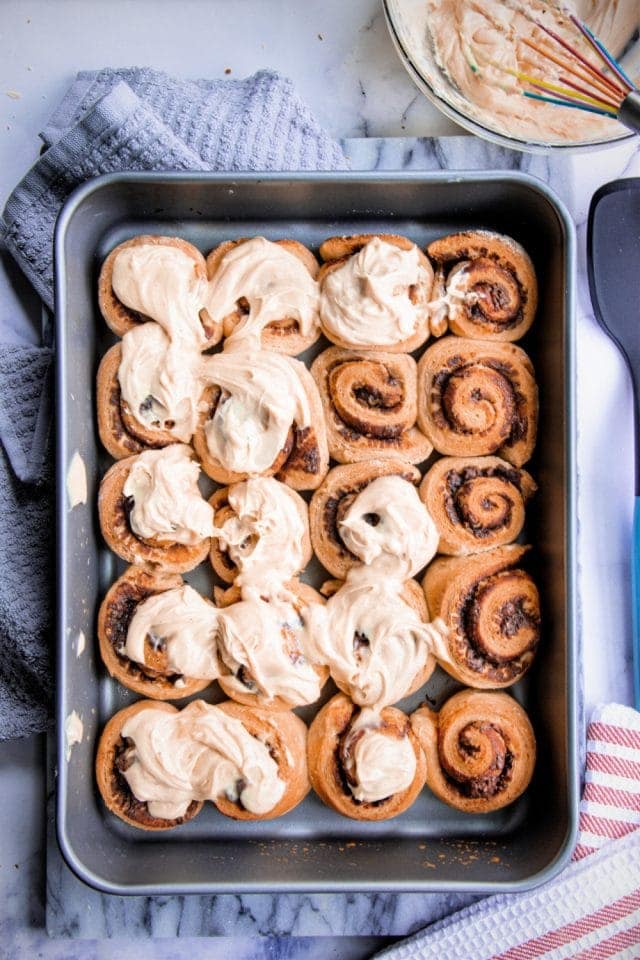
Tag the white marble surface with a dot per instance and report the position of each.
(356, 87)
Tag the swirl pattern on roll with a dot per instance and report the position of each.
(370, 405)
(491, 608)
(485, 285)
(477, 398)
(476, 503)
(480, 750)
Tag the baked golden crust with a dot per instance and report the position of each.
(120, 318)
(281, 336)
(111, 760)
(497, 290)
(370, 405)
(328, 746)
(337, 492)
(476, 398)
(492, 611)
(480, 750)
(151, 679)
(114, 510)
(476, 503)
(285, 735)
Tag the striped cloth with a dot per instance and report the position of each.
(592, 910)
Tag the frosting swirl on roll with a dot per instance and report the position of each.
(377, 764)
(199, 753)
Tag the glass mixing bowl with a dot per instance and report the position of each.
(408, 22)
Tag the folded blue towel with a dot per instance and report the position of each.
(110, 120)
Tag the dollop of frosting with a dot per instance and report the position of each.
(379, 764)
(167, 503)
(184, 625)
(272, 281)
(265, 536)
(388, 525)
(160, 381)
(262, 396)
(198, 753)
(378, 296)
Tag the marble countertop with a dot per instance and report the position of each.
(358, 89)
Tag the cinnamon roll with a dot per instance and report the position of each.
(476, 503)
(476, 398)
(151, 510)
(492, 611)
(333, 499)
(480, 750)
(162, 279)
(270, 284)
(147, 623)
(370, 405)
(261, 416)
(374, 292)
(364, 765)
(485, 285)
(261, 531)
(156, 765)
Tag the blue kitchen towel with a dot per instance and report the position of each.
(110, 120)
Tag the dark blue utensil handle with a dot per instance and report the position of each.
(635, 587)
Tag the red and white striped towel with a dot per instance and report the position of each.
(592, 910)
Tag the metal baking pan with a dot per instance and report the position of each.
(430, 847)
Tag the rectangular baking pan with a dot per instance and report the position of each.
(430, 847)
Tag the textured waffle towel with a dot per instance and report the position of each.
(592, 910)
(134, 119)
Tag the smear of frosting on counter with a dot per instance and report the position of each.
(76, 481)
(466, 48)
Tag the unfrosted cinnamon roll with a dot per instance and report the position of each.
(476, 398)
(147, 625)
(270, 284)
(480, 750)
(261, 416)
(476, 503)
(375, 290)
(162, 279)
(370, 405)
(364, 765)
(155, 765)
(333, 499)
(151, 510)
(492, 611)
(261, 531)
(485, 285)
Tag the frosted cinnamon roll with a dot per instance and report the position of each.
(261, 532)
(375, 291)
(162, 279)
(148, 389)
(151, 509)
(156, 765)
(370, 405)
(261, 416)
(476, 503)
(376, 642)
(156, 633)
(364, 765)
(492, 610)
(485, 285)
(480, 750)
(270, 286)
(265, 646)
(329, 505)
(476, 398)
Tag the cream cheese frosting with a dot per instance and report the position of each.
(366, 301)
(198, 753)
(167, 503)
(275, 284)
(160, 381)
(387, 524)
(184, 624)
(379, 765)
